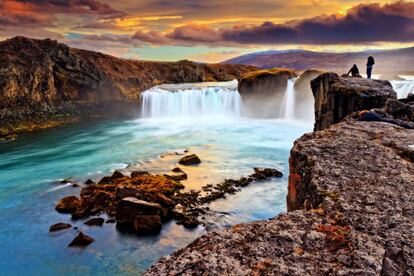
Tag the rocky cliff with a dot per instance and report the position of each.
(337, 97)
(46, 81)
(262, 91)
(353, 184)
(350, 202)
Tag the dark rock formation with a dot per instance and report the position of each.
(44, 83)
(140, 216)
(262, 91)
(81, 240)
(337, 97)
(95, 221)
(353, 184)
(140, 203)
(191, 159)
(59, 226)
(67, 204)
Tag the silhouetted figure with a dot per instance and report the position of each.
(370, 64)
(354, 71)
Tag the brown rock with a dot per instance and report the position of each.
(191, 159)
(147, 225)
(139, 216)
(95, 221)
(59, 226)
(81, 240)
(337, 97)
(138, 173)
(177, 170)
(117, 174)
(262, 91)
(68, 204)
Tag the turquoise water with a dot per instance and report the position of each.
(31, 167)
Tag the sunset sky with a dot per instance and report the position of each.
(211, 31)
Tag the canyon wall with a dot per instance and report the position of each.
(46, 81)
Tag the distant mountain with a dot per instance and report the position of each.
(387, 61)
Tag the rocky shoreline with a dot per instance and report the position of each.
(44, 83)
(350, 199)
(140, 202)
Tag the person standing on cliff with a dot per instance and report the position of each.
(370, 65)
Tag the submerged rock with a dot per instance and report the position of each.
(95, 221)
(59, 226)
(191, 159)
(337, 97)
(81, 240)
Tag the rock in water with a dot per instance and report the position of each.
(59, 226)
(262, 90)
(95, 221)
(337, 97)
(139, 216)
(117, 174)
(191, 159)
(81, 240)
(67, 204)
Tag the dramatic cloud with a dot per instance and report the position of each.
(362, 24)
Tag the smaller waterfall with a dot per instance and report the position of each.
(288, 103)
(403, 87)
(184, 101)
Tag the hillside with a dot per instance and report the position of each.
(43, 81)
(389, 62)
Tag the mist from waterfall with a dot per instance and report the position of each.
(287, 110)
(403, 87)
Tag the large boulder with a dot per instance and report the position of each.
(262, 91)
(68, 204)
(139, 216)
(81, 240)
(337, 97)
(191, 159)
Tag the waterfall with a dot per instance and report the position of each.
(191, 100)
(288, 103)
(403, 87)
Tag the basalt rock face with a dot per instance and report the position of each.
(351, 213)
(337, 97)
(45, 81)
(262, 91)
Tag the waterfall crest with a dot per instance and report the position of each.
(191, 101)
(287, 110)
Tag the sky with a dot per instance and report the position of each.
(211, 31)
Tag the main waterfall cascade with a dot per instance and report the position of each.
(204, 99)
(195, 100)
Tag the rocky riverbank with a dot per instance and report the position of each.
(44, 83)
(350, 201)
(139, 202)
